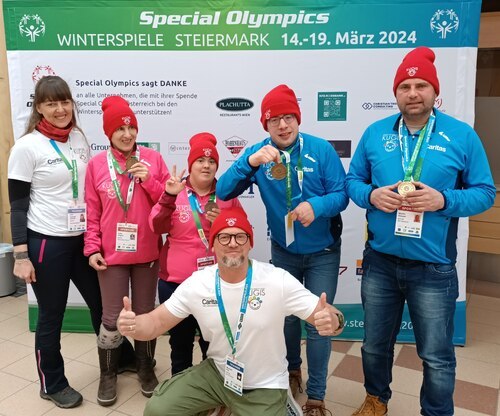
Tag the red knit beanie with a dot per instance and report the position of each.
(418, 63)
(202, 144)
(116, 113)
(280, 100)
(231, 217)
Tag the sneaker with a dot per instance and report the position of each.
(372, 406)
(315, 408)
(66, 398)
(295, 382)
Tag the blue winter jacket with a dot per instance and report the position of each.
(455, 164)
(323, 187)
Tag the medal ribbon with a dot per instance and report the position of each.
(114, 167)
(419, 152)
(196, 210)
(72, 167)
(243, 308)
(300, 172)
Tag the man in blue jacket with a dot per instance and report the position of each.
(415, 173)
(302, 184)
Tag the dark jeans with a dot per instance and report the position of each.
(319, 273)
(57, 261)
(430, 291)
(182, 335)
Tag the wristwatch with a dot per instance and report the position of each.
(20, 255)
(341, 320)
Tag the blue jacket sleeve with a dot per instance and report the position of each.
(335, 199)
(358, 179)
(476, 191)
(237, 178)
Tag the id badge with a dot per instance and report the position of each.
(203, 262)
(126, 237)
(233, 375)
(289, 234)
(77, 217)
(409, 222)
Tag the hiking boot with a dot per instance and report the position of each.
(295, 382)
(372, 406)
(315, 408)
(66, 398)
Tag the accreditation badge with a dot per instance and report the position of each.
(289, 234)
(203, 262)
(409, 222)
(233, 375)
(77, 217)
(126, 237)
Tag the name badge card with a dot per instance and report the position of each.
(77, 217)
(233, 375)
(126, 237)
(409, 222)
(203, 262)
(289, 234)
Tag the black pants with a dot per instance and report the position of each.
(57, 261)
(182, 335)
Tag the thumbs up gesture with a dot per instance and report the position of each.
(326, 318)
(126, 322)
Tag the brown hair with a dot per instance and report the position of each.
(49, 88)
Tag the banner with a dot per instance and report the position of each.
(192, 66)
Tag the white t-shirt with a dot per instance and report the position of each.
(274, 294)
(33, 159)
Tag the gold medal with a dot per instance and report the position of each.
(278, 171)
(131, 161)
(405, 187)
(210, 206)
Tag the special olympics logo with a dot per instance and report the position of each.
(444, 22)
(412, 71)
(207, 152)
(126, 120)
(231, 221)
(41, 71)
(32, 26)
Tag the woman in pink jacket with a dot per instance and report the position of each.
(186, 211)
(121, 186)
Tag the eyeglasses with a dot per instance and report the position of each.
(275, 121)
(225, 238)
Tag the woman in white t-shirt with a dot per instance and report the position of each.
(46, 175)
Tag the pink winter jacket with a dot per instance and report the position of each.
(173, 215)
(104, 209)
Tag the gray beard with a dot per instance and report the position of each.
(232, 262)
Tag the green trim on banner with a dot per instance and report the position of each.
(77, 319)
(239, 25)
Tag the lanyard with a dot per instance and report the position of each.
(407, 162)
(300, 172)
(196, 210)
(73, 168)
(113, 166)
(243, 308)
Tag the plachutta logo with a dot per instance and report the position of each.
(32, 26)
(234, 104)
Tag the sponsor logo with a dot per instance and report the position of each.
(310, 158)
(234, 104)
(235, 145)
(444, 22)
(95, 146)
(390, 141)
(178, 148)
(150, 145)
(209, 302)
(437, 147)
(379, 106)
(55, 161)
(31, 26)
(444, 136)
(41, 71)
(249, 193)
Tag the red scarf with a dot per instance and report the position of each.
(53, 132)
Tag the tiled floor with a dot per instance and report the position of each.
(477, 388)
